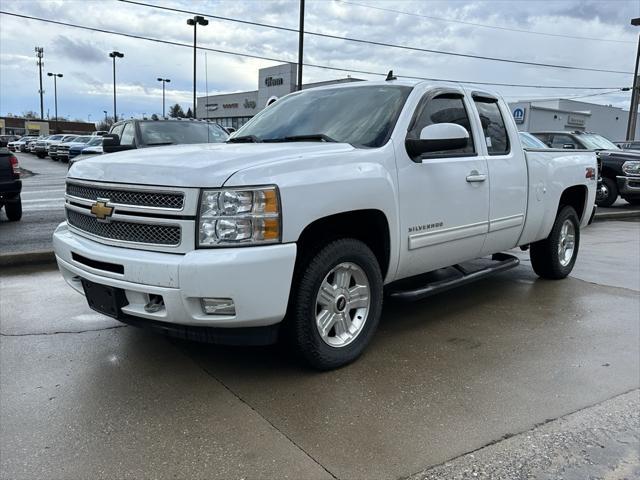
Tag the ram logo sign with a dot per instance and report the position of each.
(518, 115)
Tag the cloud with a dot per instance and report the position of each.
(78, 50)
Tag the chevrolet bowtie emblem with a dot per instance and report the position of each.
(101, 210)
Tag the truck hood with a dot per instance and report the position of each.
(200, 165)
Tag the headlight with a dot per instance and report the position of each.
(631, 168)
(239, 216)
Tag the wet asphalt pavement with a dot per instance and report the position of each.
(42, 206)
(525, 374)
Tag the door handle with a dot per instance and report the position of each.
(475, 176)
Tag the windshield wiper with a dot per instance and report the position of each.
(244, 139)
(303, 138)
(160, 143)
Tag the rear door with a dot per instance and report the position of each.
(507, 174)
(444, 196)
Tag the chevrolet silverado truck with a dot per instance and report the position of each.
(315, 209)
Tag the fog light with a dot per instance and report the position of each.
(218, 306)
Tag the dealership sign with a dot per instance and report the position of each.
(518, 115)
(273, 81)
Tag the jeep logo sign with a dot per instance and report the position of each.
(518, 115)
(273, 81)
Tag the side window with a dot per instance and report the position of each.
(493, 126)
(127, 134)
(446, 108)
(117, 130)
(560, 140)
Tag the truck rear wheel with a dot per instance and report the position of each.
(13, 210)
(555, 256)
(336, 304)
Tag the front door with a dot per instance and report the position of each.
(444, 196)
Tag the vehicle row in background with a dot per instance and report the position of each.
(620, 169)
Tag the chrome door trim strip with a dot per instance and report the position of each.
(506, 222)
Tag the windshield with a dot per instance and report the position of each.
(94, 141)
(529, 141)
(178, 132)
(597, 142)
(54, 137)
(362, 116)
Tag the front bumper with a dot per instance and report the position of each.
(258, 279)
(628, 186)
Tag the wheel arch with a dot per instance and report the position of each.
(370, 226)
(575, 196)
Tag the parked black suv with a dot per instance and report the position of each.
(10, 185)
(620, 169)
(130, 134)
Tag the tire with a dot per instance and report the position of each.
(41, 155)
(341, 262)
(608, 193)
(549, 258)
(13, 210)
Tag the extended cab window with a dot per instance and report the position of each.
(127, 134)
(445, 108)
(493, 126)
(117, 130)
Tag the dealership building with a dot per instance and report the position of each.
(235, 109)
(571, 115)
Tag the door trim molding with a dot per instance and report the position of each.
(506, 222)
(427, 239)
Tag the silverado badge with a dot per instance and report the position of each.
(101, 210)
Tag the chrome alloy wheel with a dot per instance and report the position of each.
(342, 304)
(567, 243)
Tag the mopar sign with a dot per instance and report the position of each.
(518, 115)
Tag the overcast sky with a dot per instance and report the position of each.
(86, 88)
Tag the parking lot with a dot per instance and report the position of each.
(481, 366)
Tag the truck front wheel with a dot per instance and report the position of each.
(607, 192)
(554, 257)
(336, 304)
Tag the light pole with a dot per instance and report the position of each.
(55, 94)
(115, 55)
(105, 116)
(39, 55)
(300, 44)
(163, 80)
(635, 94)
(195, 21)
(89, 118)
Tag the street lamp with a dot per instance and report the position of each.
(55, 94)
(195, 21)
(105, 116)
(163, 80)
(115, 55)
(635, 94)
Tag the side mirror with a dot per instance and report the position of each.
(568, 146)
(438, 137)
(111, 144)
(230, 130)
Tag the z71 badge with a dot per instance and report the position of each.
(428, 226)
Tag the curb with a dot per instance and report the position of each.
(41, 257)
(616, 215)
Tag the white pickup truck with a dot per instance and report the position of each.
(321, 204)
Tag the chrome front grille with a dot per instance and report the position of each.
(151, 234)
(138, 198)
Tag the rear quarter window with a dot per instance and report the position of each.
(493, 126)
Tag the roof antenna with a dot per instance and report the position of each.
(390, 76)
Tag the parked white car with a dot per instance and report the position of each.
(309, 216)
